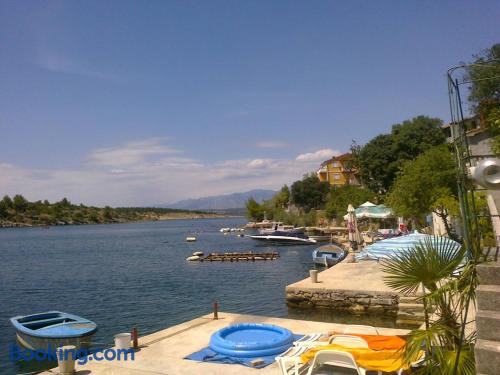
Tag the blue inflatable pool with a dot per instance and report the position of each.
(251, 340)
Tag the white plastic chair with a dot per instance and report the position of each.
(308, 339)
(291, 359)
(334, 358)
(360, 329)
(348, 341)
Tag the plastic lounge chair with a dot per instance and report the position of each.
(360, 329)
(348, 341)
(334, 358)
(291, 358)
(308, 339)
(344, 340)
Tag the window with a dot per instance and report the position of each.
(335, 164)
(336, 176)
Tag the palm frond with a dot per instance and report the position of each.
(426, 264)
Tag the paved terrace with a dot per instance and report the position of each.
(163, 352)
(363, 276)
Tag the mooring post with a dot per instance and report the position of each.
(216, 312)
(135, 341)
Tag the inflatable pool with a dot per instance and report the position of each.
(251, 340)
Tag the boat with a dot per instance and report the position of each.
(53, 329)
(198, 253)
(289, 237)
(320, 238)
(328, 255)
(277, 226)
(319, 234)
(193, 258)
(190, 239)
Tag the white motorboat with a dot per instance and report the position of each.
(197, 255)
(277, 226)
(289, 237)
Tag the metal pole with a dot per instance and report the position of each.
(135, 339)
(216, 310)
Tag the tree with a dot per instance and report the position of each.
(282, 198)
(5, 205)
(445, 205)
(108, 213)
(413, 137)
(309, 192)
(485, 77)
(420, 186)
(64, 203)
(484, 91)
(341, 197)
(382, 157)
(6, 202)
(19, 203)
(254, 210)
(376, 163)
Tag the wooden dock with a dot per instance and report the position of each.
(239, 257)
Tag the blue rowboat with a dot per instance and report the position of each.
(53, 329)
(328, 255)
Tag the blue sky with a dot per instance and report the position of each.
(134, 103)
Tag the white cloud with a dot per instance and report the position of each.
(57, 62)
(260, 163)
(151, 172)
(272, 144)
(130, 153)
(319, 156)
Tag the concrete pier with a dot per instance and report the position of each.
(163, 352)
(351, 287)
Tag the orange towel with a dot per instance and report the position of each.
(379, 342)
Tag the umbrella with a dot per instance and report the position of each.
(385, 248)
(368, 204)
(371, 211)
(352, 225)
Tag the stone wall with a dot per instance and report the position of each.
(355, 302)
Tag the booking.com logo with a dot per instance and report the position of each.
(82, 356)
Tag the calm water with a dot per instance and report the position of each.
(126, 275)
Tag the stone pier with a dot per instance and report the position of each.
(350, 287)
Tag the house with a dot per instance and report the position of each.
(339, 171)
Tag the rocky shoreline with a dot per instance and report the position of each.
(173, 216)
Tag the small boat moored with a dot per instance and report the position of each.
(328, 255)
(197, 255)
(190, 239)
(289, 237)
(53, 329)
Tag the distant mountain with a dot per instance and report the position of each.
(222, 202)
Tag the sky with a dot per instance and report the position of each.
(128, 103)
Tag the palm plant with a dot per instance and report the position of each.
(439, 269)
